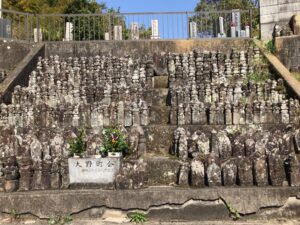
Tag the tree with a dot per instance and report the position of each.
(55, 6)
(84, 7)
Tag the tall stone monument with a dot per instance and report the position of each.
(236, 21)
(193, 29)
(37, 35)
(69, 31)
(118, 33)
(221, 28)
(155, 31)
(135, 33)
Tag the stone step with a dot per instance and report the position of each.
(160, 97)
(159, 114)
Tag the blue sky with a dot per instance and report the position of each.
(152, 5)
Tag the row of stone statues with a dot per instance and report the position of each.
(244, 158)
(272, 91)
(94, 115)
(212, 67)
(211, 88)
(260, 112)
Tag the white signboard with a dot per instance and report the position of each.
(155, 32)
(93, 170)
(193, 30)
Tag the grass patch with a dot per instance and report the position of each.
(270, 47)
(296, 75)
(138, 217)
(258, 77)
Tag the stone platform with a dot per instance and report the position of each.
(159, 203)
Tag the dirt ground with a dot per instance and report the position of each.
(9, 221)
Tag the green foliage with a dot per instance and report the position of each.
(297, 76)
(114, 141)
(270, 47)
(78, 144)
(233, 212)
(138, 217)
(261, 72)
(14, 214)
(60, 220)
(54, 6)
(258, 77)
(84, 7)
(86, 28)
(243, 100)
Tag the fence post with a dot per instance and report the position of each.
(38, 27)
(250, 15)
(109, 27)
(188, 26)
(27, 27)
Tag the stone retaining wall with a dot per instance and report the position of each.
(288, 52)
(142, 47)
(276, 12)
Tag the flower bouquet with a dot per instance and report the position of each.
(114, 143)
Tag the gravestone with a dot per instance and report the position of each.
(221, 27)
(93, 170)
(118, 33)
(247, 30)
(135, 35)
(106, 36)
(236, 21)
(233, 31)
(243, 33)
(69, 31)
(37, 35)
(193, 30)
(296, 24)
(155, 32)
(5, 27)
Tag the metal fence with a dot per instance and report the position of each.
(125, 26)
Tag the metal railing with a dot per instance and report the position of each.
(125, 26)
